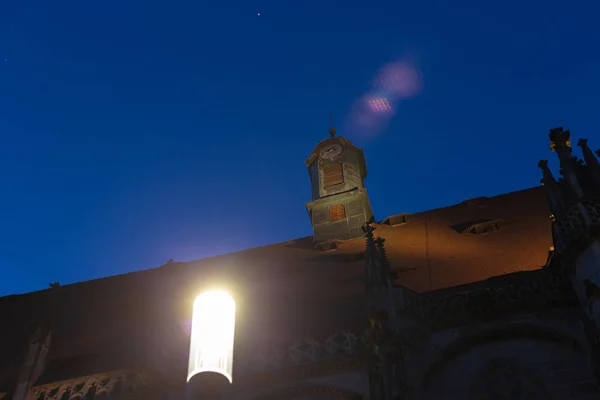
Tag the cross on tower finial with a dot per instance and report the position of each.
(331, 128)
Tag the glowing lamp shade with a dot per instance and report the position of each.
(211, 343)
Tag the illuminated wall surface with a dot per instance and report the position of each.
(211, 343)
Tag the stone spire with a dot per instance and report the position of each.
(553, 190)
(387, 378)
(588, 154)
(575, 233)
(34, 362)
(560, 142)
(591, 162)
(371, 276)
(379, 276)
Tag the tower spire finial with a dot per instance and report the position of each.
(331, 128)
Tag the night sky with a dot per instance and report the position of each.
(132, 132)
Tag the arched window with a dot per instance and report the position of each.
(337, 213)
(333, 174)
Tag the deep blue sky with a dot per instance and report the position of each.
(132, 132)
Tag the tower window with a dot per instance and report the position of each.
(333, 174)
(337, 213)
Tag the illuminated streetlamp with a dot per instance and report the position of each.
(211, 344)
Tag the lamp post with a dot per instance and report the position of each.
(211, 345)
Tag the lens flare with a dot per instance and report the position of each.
(379, 105)
(400, 80)
(394, 82)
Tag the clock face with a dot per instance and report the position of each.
(331, 151)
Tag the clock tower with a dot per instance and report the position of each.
(340, 205)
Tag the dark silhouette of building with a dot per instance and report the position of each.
(492, 298)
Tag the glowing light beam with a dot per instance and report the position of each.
(212, 336)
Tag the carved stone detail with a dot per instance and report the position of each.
(547, 287)
(593, 210)
(116, 384)
(306, 351)
(573, 223)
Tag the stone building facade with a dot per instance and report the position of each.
(492, 298)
